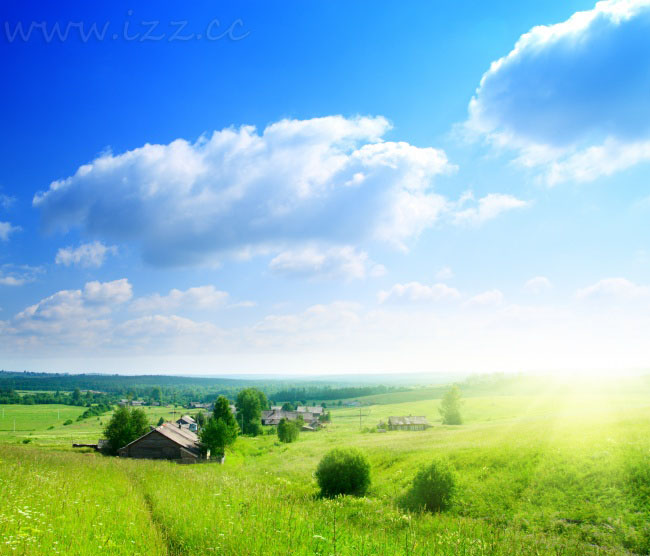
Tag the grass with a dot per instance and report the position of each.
(566, 471)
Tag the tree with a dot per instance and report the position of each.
(76, 395)
(161, 421)
(222, 411)
(288, 431)
(156, 394)
(288, 406)
(450, 407)
(343, 471)
(249, 410)
(124, 427)
(216, 436)
(200, 418)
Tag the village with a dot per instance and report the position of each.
(180, 440)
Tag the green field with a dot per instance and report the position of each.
(565, 471)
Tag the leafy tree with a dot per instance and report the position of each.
(161, 421)
(200, 418)
(325, 417)
(343, 471)
(288, 406)
(450, 407)
(156, 394)
(249, 410)
(222, 411)
(217, 435)
(288, 431)
(76, 395)
(433, 488)
(124, 427)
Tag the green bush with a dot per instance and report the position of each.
(343, 471)
(288, 431)
(27, 440)
(433, 488)
(68, 422)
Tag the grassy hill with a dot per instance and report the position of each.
(563, 471)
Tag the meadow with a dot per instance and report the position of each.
(563, 471)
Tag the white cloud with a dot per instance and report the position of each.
(6, 229)
(445, 273)
(417, 293)
(327, 179)
(572, 97)
(6, 201)
(537, 285)
(614, 288)
(334, 262)
(488, 208)
(202, 297)
(86, 255)
(17, 275)
(485, 299)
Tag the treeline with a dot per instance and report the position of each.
(10, 396)
(328, 393)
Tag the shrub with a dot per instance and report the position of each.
(27, 440)
(68, 422)
(343, 471)
(288, 431)
(125, 426)
(433, 488)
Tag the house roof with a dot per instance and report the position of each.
(184, 437)
(410, 420)
(187, 419)
(309, 409)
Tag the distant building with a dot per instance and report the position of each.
(274, 416)
(187, 422)
(316, 409)
(410, 423)
(168, 441)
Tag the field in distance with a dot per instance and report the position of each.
(563, 471)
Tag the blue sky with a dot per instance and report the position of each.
(325, 187)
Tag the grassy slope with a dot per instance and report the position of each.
(547, 474)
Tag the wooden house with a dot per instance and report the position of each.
(187, 422)
(273, 418)
(410, 423)
(168, 441)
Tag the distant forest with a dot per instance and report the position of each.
(59, 388)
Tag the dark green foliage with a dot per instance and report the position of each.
(343, 471)
(250, 402)
(326, 417)
(288, 406)
(200, 418)
(433, 488)
(67, 422)
(76, 395)
(160, 421)
(27, 440)
(216, 436)
(94, 410)
(288, 431)
(124, 427)
(222, 411)
(450, 407)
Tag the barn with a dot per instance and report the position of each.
(410, 423)
(168, 441)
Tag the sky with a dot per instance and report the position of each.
(309, 187)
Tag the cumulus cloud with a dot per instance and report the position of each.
(201, 297)
(537, 285)
(330, 179)
(485, 299)
(334, 262)
(614, 288)
(487, 208)
(6, 229)
(86, 255)
(573, 96)
(416, 292)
